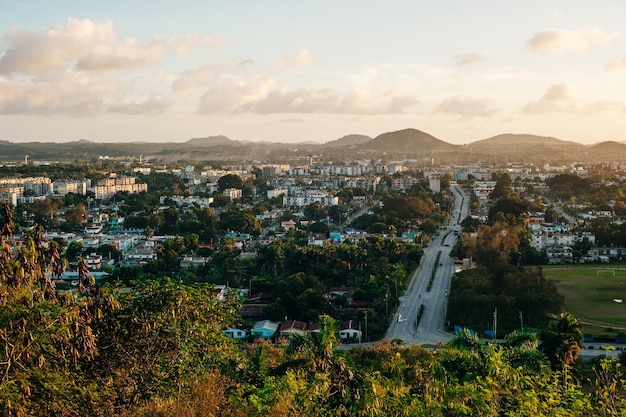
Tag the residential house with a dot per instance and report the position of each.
(93, 261)
(235, 333)
(233, 193)
(316, 239)
(341, 293)
(264, 329)
(288, 224)
(291, 327)
(350, 330)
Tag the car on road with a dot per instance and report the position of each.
(447, 244)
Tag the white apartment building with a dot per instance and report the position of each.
(110, 186)
(483, 189)
(76, 187)
(302, 200)
(404, 183)
(188, 201)
(38, 185)
(277, 192)
(557, 235)
(10, 198)
(435, 185)
(233, 193)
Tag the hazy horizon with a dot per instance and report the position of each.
(287, 142)
(152, 71)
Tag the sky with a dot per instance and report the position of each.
(285, 71)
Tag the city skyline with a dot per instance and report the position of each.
(281, 72)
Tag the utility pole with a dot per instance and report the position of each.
(396, 277)
(387, 304)
(495, 323)
(366, 326)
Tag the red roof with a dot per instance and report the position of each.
(350, 325)
(293, 325)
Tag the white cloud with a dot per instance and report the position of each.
(31, 52)
(558, 98)
(364, 102)
(71, 94)
(303, 100)
(66, 70)
(580, 41)
(212, 41)
(88, 46)
(128, 55)
(152, 105)
(232, 95)
(605, 106)
(616, 65)
(465, 106)
(184, 44)
(300, 60)
(467, 59)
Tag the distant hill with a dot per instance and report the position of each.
(348, 140)
(407, 141)
(508, 139)
(219, 140)
(608, 146)
(606, 151)
(525, 147)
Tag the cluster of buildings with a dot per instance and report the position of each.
(557, 239)
(29, 189)
(349, 331)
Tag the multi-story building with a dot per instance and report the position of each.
(37, 185)
(277, 192)
(310, 197)
(233, 193)
(76, 187)
(483, 189)
(110, 186)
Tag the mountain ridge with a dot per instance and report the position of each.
(407, 143)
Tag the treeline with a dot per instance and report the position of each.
(520, 297)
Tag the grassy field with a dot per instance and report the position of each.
(589, 296)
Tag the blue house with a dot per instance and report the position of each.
(235, 333)
(264, 329)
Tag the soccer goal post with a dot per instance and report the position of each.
(605, 272)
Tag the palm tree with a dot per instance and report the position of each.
(83, 272)
(6, 227)
(521, 351)
(466, 341)
(315, 355)
(562, 339)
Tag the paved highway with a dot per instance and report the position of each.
(431, 326)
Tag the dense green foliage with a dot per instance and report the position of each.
(156, 348)
(477, 292)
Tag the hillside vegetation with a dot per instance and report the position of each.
(156, 348)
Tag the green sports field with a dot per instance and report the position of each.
(590, 294)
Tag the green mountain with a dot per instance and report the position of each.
(508, 139)
(407, 141)
(348, 140)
